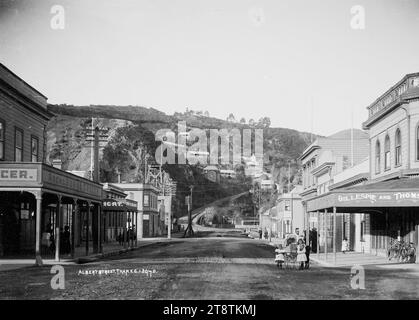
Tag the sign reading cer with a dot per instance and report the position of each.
(18, 174)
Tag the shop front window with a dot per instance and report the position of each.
(363, 228)
(417, 143)
(2, 134)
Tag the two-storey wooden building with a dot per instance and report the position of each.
(146, 196)
(44, 211)
(321, 161)
(119, 216)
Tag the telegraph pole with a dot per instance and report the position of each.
(189, 231)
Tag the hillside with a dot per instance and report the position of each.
(131, 138)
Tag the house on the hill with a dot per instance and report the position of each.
(212, 173)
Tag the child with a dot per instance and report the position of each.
(345, 245)
(301, 254)
(279, 258)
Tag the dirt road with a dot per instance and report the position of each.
(204, 268)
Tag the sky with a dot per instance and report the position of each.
(298, 62)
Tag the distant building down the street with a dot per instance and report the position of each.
(146, 196)
(119, 216)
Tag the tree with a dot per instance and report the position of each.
(243, 121)
(264, 122)
(206, 113)
(252, 122)
(231, 118)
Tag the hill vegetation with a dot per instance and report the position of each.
(130, 143)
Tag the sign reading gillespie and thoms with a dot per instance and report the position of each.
(376, 197)
(364, 199)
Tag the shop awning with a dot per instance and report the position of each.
(29, 176)
(403, 192)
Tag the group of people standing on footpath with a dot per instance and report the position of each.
(296, 251)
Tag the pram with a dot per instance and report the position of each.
(291, 256)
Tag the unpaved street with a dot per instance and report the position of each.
(205, 268)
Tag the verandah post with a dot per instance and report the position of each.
(87, 227)
(317, 234)
(334, 235)
(57, 229)
(38, 257)
(73, 226)
(325, 233)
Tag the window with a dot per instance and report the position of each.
(2, 138)
(387, 153)
(146, 200)
(287, 205)
(313, 165)
(363, 228)
(398, 148)
(18, 145)
(34, 149)
(417, 143)
(377, 157)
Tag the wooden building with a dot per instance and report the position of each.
(43, 210)
(119, 217)
(146, 196)
(322, 161)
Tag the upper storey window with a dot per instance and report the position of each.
(398, 148)
(387, 153)
(18, 145)
(414, 82)
(34, 149)
(377, 157)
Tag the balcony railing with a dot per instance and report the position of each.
(394, 95)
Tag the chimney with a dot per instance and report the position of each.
(57, 163)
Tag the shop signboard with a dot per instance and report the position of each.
(18, 175)
(397, 198)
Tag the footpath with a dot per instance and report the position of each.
(108, 251)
